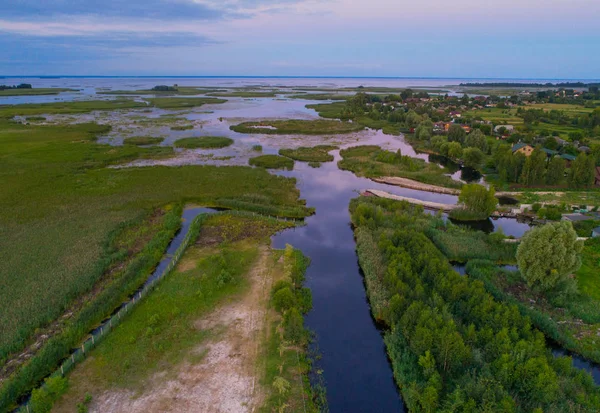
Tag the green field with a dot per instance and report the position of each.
(204, 142)
(588, 276)
(296, 126)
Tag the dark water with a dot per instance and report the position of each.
(579, 362)
(357, 373)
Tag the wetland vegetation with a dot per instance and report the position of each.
(319, 153)
(204, 142)
(297, 126)
(61, 207)
(272, 162)
(143, 140)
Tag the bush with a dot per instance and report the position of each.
(293, 324)
(284, 299)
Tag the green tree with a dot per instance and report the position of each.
(477, 199)
(548, 255)
(294, 325)
(424, 130)
(582, 171)
(556, 171)
(454, 150)
(456, 134)
(534, 169)
(473, 157)
(284, 299)
(413, 119)
(477, 139)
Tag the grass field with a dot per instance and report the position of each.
(143, 140)
(35, 92)
(59, 204)
(272, 162)
(296, 126)
(373, 162)
(588, 276)
(203, 142)
(317, 153)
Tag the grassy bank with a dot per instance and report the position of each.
(373, 162)
(449, 341)
(204, 142)
(272, 162)
(588, 276)
(319, 153)
(297, 127)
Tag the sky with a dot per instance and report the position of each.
(546, 39)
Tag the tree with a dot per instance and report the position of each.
(556, 171)
(477, 199)
(424, 131)
(454, 150)
(548, 255)
(473, 157)
(456, 134)
(477, 139)
(582, 171)
(534, 168)
(413, 119)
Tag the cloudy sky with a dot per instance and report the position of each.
(424, 38)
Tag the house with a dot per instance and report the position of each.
(576, 217)
(568, 158)
(454, 114)
(509, 128)
(585, 149)
(466, 128)
(523, 148)
(550, 152)
(596, 232)
(561, 142)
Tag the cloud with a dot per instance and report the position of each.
(148, 9)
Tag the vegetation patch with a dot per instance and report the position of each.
(272, 162)
(34, 92)
(242, 94)
(450, 341)
(143, 140)
(60, 205)
(318, 153)
(296, 126)
(204, 142)
(182, 127)
(373, 162)
(182, 103)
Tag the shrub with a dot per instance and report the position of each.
(272, 162)
(284, 299)
(294, 325)
(204, 142)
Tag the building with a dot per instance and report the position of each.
(597, 178)
(576, 217)
(596, 232)
(523, 148)
(568, 159)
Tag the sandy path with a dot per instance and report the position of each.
(409, 183)
(227, 377)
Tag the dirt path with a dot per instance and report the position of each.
(410, 184)
(226, 379)
(426, 204)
